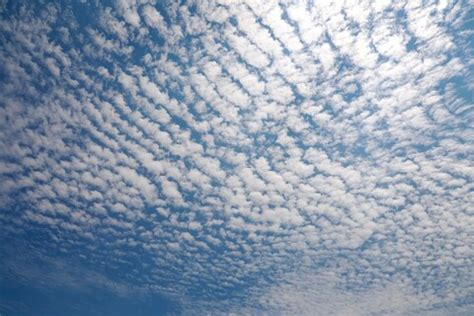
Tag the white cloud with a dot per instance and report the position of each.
(315, 157)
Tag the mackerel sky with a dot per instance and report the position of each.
(236, 157)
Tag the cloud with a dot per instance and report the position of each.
(243, 157)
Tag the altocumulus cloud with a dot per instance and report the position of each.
(247, 157)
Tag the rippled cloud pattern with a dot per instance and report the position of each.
(246, 157)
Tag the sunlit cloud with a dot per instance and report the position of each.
(210, 157)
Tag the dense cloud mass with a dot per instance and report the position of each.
(210, 157)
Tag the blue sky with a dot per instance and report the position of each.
(228, 157)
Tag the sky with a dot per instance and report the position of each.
(230, 157)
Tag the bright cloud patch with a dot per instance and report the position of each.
(236, 157)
